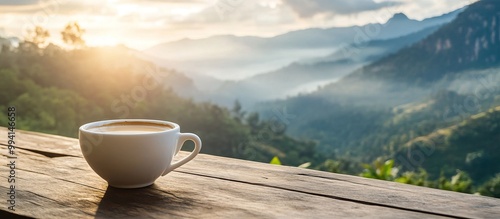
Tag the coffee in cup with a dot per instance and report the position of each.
(130, 127)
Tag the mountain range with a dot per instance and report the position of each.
(433, 104)
(471, 41)
(307, 75)
(228, 57)
(468, 43)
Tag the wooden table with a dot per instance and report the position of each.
(54, 181)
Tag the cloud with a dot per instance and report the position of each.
(143, 23)
(18, 2)
(164, 1)
(34, 6)
(310, 8)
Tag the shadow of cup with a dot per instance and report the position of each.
(148, 202)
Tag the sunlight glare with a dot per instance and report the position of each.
(103, 40)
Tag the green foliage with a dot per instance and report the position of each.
(340, 166)
(269, 139)
(461, 182)
(471, 146)
(491, 187)
(62, 110)
(275, 161)
(380, 170)
(415, 178)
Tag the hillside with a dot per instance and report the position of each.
(471, 41)
(472, 146)
(55, 91)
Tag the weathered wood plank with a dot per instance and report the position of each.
(276, 180)
(353, 188)
(66, 187)
(56, 145)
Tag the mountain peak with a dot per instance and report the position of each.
(469, 42)
(399, 17)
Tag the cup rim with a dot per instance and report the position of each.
(85, 127)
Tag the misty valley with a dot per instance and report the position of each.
(411, 101)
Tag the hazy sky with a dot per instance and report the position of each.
(143, 23)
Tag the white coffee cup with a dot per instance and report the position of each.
(133, 153)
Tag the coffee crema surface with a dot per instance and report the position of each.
(131, 128)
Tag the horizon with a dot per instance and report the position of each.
(142, 25)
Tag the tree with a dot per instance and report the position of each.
(491, 187)
(37, 36)
(237, 111)
(72, 35)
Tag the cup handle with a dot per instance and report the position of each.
(183, 137)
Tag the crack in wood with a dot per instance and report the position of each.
(331, 196)
(47, 154)
(169, 193)
(44, 153)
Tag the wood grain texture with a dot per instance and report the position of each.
(54, 181)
